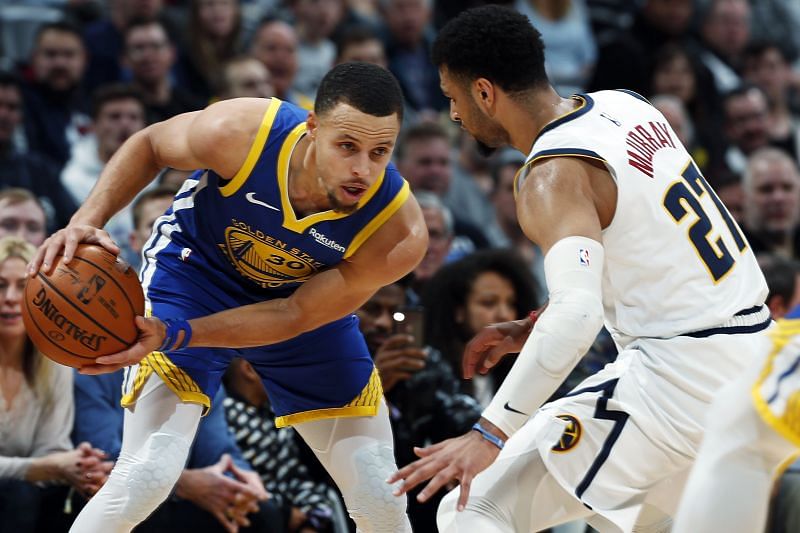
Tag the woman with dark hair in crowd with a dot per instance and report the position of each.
(36, 414)
(465, 296)
(213, 36)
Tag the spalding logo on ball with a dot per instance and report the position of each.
(83, 310)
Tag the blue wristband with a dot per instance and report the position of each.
(174, 328)
(494, 439)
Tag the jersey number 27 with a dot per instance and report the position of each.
(684, 196)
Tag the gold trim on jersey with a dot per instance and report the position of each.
(379, 219)
(255, 150)
(176, 379)
(365, 404)
(290, 220)
(787, 425)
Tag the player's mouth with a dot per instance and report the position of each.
(354, 192)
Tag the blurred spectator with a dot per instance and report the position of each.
(216, 483)
(569, 46)
(777, 20)
(246, 76)
(767, 66)
(676, 72)
(118, 112)
(275, 45)
(213, 36)
(422, 391)
(315, 22)
(471, 185)
(105, 38)
(772, 203)
(150, 55)
(783, 281)
(439, 221)
(464, 296)
(408, 40)
(55, 103)
(746, 125)
(731, 192)
(22, 216)
(36, 414)
(725, 31)
(172, 177)
(146, 208)
(360, 43)
(274, 453)
(424, 158)
(503, 169)
(624, 61)
(31, 170)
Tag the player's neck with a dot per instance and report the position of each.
(525, 117)
(303, 184)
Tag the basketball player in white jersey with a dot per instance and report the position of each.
(634, 238)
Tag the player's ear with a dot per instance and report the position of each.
(312, 123)
(485, 92)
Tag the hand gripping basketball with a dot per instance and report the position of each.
(151, 336)
(66, 240)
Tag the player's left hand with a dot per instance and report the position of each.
(151, 335)
(459, 459)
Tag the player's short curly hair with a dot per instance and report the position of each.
(369, 88)
(495, 43)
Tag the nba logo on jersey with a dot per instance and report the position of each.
(583, 256)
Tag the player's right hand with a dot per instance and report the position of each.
(488, 347)
(68, 239)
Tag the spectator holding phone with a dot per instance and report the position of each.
(421, 389)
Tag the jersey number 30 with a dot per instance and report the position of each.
(684, 196)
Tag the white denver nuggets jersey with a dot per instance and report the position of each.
(675, 260)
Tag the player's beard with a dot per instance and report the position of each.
(337, 206)
(489, 135)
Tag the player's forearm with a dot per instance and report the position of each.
(124, 176)
(249, 325)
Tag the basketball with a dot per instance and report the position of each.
(85, 309)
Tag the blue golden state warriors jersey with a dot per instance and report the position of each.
(243, 233)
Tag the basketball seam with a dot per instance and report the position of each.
(78, 309)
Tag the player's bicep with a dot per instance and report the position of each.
(557, 201)
(218, 137)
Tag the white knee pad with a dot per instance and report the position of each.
(147, 477)
(370, 501)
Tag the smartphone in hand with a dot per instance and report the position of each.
(411, 321)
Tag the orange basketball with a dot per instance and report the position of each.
(85, 309)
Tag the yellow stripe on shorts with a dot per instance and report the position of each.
(365, 404)
(176, 379)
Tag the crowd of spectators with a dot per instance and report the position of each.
(79, 77)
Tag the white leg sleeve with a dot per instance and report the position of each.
(155, 444)
(359, 454)
(729, 486)
(516, 493)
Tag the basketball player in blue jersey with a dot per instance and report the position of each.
(296, 219)
(753, 434)
(634, 238)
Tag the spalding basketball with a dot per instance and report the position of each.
(83, 310)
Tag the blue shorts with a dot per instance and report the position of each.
(324, 373)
